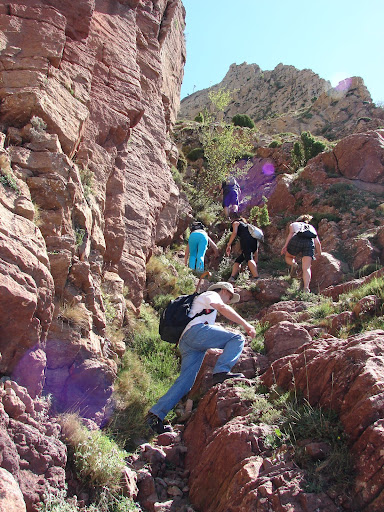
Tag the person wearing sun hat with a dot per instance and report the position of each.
(200, 335)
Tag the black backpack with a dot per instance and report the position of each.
(307, 231)
(174, 318)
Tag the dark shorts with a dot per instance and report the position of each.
(248, 248)
(231, 198)
(305, 246)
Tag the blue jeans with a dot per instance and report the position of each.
(193, 346)
(198, 243)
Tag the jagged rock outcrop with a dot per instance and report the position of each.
(89, 91)
(346, 376)
(31, 450)
(290, 100)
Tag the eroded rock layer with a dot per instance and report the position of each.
(89, 91)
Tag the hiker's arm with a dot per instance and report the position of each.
(186, 255)
(317, 246)
(213, 245)
(290, 235)
(231, 314)
(235, 227)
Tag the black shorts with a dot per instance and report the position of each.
(303, 246)
(248, 248)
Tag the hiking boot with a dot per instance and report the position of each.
(155, 424)
(218, 378)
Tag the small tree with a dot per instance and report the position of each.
(259, 214)
(220, 99)
(223, 144)
(222, 148)
(305, 149)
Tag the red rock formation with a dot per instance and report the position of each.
(346, 376)
(30, 448)
(104, 77)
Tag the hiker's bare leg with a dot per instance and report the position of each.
(289, 259)
(253, 268)
(226, 211)
(235, 271)
(306, 266)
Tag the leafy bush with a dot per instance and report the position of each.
(199, 118)
(195, 154)
(243, 120)
(176, 176)
(308, 147)
(181, 163)
(38, 124)
(259, 214)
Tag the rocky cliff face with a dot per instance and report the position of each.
(89, 91)
(290, 100)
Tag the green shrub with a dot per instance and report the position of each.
(106, 501)
(343, 196)
(259, 214)
(199, 118)
(195, 154)
(97, 458)
(181, 163)
(243, 120)
(176, 176)
(308, 147)
(257, 343)
(86, 177)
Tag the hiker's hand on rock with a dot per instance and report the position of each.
(250, 330)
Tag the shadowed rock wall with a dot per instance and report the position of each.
(88, 197)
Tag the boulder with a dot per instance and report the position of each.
(11, 497)
(285, 338)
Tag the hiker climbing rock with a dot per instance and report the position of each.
(249, 249)
(197, 246)
(302, 239)
(231, 193)
(199, 335)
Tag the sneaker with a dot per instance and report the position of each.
(155, 424)
(232, 280)
(218, 378)
(253, 279)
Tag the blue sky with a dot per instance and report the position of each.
(335, 38)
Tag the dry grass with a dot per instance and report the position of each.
(75, 314)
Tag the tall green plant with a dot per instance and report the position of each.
(308, 147)
(223, 147)
(259, 214)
